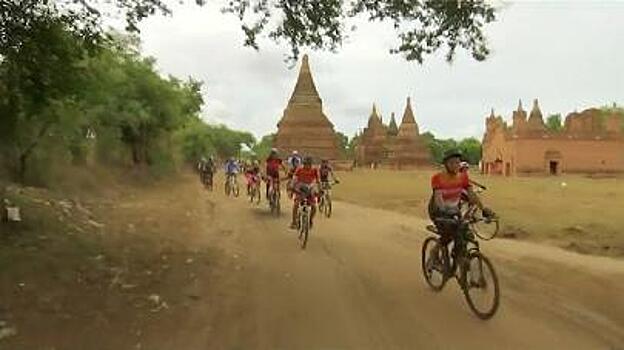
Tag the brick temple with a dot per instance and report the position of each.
(304, 127)
(391, 146)
(590, 142)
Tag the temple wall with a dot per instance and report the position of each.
(551, 156)
(571, 156)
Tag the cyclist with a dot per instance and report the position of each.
(448, 187)
(273, 166)
(206, 169)
(252, 174)
(304, 176)
(231, 169)
(325, 171)
(294, 163)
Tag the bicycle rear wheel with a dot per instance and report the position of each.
(480, 285)
(433, 263)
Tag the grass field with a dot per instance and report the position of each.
(575, 212)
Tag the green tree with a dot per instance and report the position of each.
(471, 149)
(422, 27)
(351, 147)
(553, 123)
(263, 147)
(343, 143)
(42, 80)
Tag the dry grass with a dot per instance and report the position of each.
(585, 214)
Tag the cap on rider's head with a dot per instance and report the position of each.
(324, 161)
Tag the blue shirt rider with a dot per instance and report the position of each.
(231, 167)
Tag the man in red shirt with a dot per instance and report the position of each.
(448, 187)
(273, 166)
(304, 176)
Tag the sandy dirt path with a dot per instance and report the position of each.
(358, 285)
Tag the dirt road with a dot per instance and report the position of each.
(359, 286)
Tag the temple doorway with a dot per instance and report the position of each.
(553, 161)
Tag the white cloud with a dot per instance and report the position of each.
(566, 54)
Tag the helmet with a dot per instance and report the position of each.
(324, 161)
(274, 151)
(452, 153)
(307, 161)
(255, 162)
(464, 165)
(295, 152)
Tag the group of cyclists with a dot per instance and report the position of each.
(452, 200)
(303, 178)
(449, 186)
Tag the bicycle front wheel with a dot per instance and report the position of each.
(304, 230)
(236, 189)
(480, 285)
(328, 206)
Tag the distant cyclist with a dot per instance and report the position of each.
(304, 176)
(273, 166)
(252, 174)
(325, 171)
(294, 163)
(231, 168)
(206, 170)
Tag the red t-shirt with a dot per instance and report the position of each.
(307, 176)
(451, 187)
(272, 166)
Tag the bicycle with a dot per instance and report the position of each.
(325, 202)
(231, 186)
(274, 196)
(207, 180)
(254, 191)
(467, 264)
(304, 214)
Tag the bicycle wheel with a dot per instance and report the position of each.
(480, 285)
(235, 189)
(227, 187)
(328, 206)
(433, 263)
(304, 229)
(276, 200)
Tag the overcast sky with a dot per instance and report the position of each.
(570, 55)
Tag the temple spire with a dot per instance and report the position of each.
(536, 120)
(305, 91)
(374, 121)
(520, 105)
(393, 129)
(408, 115)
